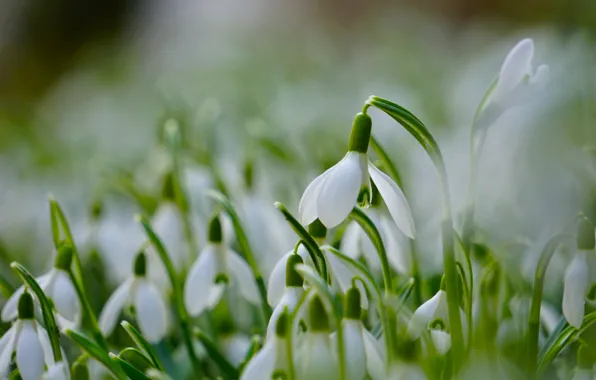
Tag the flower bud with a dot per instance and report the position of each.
(25, 307)
(352, 304)
(360, 136)
(215, 230)
(293, 278)
(317, 315)
(140, 265)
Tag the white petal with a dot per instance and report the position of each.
(395, 200)
(261, 366)
(350, 242)
(7, 344)
(151, 312)
(576, 287)
(375, 358)
(9, 311)
(216, 291)
(167, 224)
(246, 279)
(44, 340)
(441, 340)
(344, 277)
(516, 66)
(57, 372)
(425, 314)
(290, 300)
(396, 245)
(355, 357)
(308, 203)
(235, 348)
(338, 193)
(277, 281)
(113, 307)
(64, 296)
(583, 374)
(199, 281)
(541, 76)
(30, 356)
(318, 359)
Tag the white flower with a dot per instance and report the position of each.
(332, 195)
(30, 342)
(575, 290)
(355, 242)
(149, 306)
(363, 355)
(217, 267)
(517, 83)
(277, 280)
(583, 374)
(234, 347)
(58, 287)
(58, 371)
(317, 358)
(272, 358)
(294, 288)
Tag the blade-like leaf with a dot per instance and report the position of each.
(143, 345)
(132, 372)
(95, 351)
(225, 366)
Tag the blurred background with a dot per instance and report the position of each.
(264, 93)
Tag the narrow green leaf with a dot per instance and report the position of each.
(143, 345)
(58, 219)
(136, 358)
(242, 239)
(95, 351)
(225, 366)
(130, 371)
(46, 308)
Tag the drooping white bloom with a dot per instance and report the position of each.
(273, 357)
(217, 267)
(29, 341)
(234, 347)
(58, 287)
(363, 355)
(294, 288)
(516, 84)
(332, 195)
(149, 306)
(57, 371)
(317, 358)
(276, 286)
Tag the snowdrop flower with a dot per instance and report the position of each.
(332, 195)
(578, 275)
(149, 307)
(217, 267)
(516, 84)
(317, 358)
(363, 355)
(355, 242)
(277, 285)
(294, 288)
(29, 341)
(433, 315)
(58, 371)
(235, 347)
(58, 286)
(272, 360)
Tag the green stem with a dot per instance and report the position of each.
(419, 131)
(375, 236)
(242, 239)
(470, 299)
(183, 316)
(534, 317)
(99, 338)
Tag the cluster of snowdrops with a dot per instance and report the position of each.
(346, 307)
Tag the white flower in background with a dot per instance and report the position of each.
(272, 359)
(356, 243)
(294, 288)
(579, 275)
(317, 358)
(434, 316)
(58, 287)
(234, 347)
(57, 371)
(332, 195)
(217, 267)
(516, 84)
(149, 307)
(276, 287)
(29, 341)
(363, 354)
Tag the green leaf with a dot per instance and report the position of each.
(309, 243)
(95, 351)
(143, 345)
(567, 336)
(130, 371)
(60, 225)
(242, 239)
(225, 366)
(46, 308)
(136, 358)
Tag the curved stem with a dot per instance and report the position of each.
(534, 318)
(183, 316)
(419, 131)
